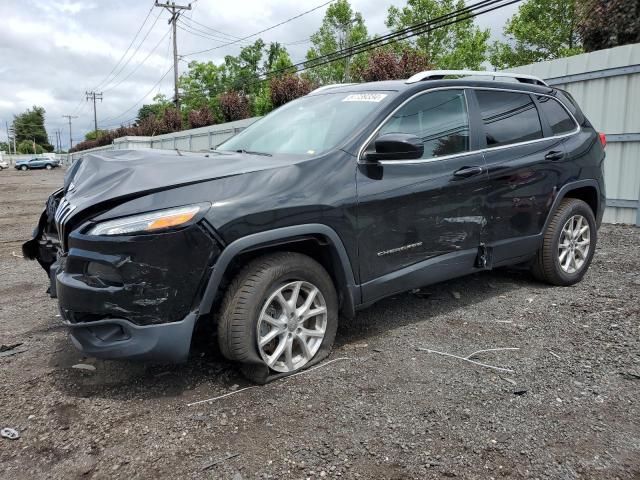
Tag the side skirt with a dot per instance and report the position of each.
(448, 266)
(433, 270)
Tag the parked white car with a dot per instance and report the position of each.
(3, 164)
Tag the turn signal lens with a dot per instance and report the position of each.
(147, 222)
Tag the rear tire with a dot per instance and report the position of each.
(48, 167)
(280, 314)
(568, 245)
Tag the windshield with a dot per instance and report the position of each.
(308, 125)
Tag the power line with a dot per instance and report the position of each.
(137, 49)
(420, 28)
(127, 50)
(413, 30)
(200, 32)
(191, 20)
(261, 31)
(186, 29)
(141, 100)
(451, 18)
(139, 64)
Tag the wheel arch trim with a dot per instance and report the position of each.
(565, 189)
(255, 240)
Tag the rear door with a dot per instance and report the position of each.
(414, 210)
(524, 166)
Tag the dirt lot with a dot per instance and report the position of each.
(382, 409)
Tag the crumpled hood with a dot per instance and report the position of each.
(102, 176)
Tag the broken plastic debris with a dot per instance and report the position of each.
(84, 366)
(9, 433)
(8, 350)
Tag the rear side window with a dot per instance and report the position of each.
(508, 117)
(439, 118)
(556, 115)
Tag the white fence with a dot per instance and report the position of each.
(194, 140)
(606, 85)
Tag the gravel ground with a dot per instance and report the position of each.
(570, 408)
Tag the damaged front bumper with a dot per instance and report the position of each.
(116, 338)
(128, 297)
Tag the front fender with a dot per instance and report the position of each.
(251, 242)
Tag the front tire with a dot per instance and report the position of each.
(24, 168)
(48, 167)
(568, 245)
(280, 314)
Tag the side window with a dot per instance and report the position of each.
(508, 117)
(439, 118)
(556, 115)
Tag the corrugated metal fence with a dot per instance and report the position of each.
(606, 85)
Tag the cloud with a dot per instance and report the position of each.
(52, 52)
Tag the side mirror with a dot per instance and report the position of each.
(396, 146)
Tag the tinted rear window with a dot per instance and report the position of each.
(508, 117)
(556, 115)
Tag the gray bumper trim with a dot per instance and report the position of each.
(162, 343)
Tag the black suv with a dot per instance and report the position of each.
(323, 207)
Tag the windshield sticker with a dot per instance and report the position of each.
(365, 97)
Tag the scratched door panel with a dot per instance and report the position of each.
(408, 213)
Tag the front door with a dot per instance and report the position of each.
(410, 211)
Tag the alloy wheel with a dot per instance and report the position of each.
(574, 244)
(292, 326)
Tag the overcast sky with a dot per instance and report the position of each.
(52, 51)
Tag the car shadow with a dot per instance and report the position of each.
(208, 371)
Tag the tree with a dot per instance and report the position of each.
(30, 126)
(5, 147)
(244, 70)
(93, 134)
(341, 28)
(608, 23)
(278, 59)
(157, 108)
(27, 147)
(201, 117)
(288, 87)
(540, 30)
(234, 106)
(457, 46)
(385, 64)
(171, 121)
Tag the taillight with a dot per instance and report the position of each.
(603, 139)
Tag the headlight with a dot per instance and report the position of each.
(148, 222)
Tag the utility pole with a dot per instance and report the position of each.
(174, 10)
(94, 96)
(69, 117)
(8, 137)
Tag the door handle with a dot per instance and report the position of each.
(465, 172)
(554, 155)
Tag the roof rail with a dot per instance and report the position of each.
(327, 87)
(440, 74)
